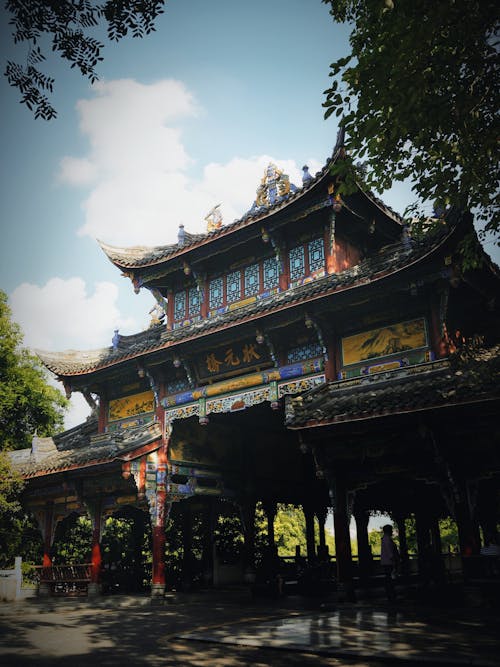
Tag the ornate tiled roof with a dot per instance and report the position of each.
(81, 447)
(136, 256)
(142, 256)
(468, 376)
(386, 262)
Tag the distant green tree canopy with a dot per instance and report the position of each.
(66, 27)
(418, 97)
(28, 404)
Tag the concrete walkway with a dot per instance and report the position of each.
(216, 629)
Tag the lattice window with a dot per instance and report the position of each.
(297, 263)
(271, 273)
(216, 293)
(303, 352)
(180, 305)
(252, 280)
(233, 287)
(177, 385)
(316, 250)
(194, 302)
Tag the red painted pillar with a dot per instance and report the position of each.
(204, 304)
(342, 536)
(158, 515)
(331, 366)
(170, 309)
(96, 558)
(284, 278)
(45, 522)
(47, 535)
(330, 245)
(103, 414)
(309, 517)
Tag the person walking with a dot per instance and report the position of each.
(389, 560)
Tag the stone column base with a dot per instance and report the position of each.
(43, 590)
(157, 590)
(93, 590)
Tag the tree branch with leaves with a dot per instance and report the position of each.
(418, 97)
(66, 26)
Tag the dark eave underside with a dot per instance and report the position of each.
(82, 447)
(470, 376)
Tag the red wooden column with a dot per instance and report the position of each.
(403, 543)
(338, 494)
(96, 557)
(309, 517)
(284, 277)
(248, 521)
(46, 525)
(159, 512)
(321, 514)
(270, 510)
(330, 244)
(103, 414)
(170, 309)
(209, 521)
(48, 534)
(364, 551)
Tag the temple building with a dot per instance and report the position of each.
(311, 352)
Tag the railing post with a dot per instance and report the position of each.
(18, 575)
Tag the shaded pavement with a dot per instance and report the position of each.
(213, 629)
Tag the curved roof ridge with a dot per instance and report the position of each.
(125, 343)
(138, 256)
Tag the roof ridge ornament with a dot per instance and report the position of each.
(306, 176)
(274, 187)
(214, 218)
(181, 236)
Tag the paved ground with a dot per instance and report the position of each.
(209, 630)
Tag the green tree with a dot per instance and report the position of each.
(11, 485)
(27, 402)
(418, 97)
(67, 26)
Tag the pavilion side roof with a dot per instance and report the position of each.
(81, 447)
(137, 257)
(470, 375)
(388, 261)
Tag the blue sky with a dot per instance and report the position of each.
(179, 121)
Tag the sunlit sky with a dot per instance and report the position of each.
(179, 121)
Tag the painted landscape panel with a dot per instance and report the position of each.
(128, 406)
(383, 342)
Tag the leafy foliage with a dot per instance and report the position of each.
(418, 97)
(27, 402)
(66, 25)
(11, 485)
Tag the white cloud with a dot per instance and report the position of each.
(62, 314)
(78, 411)
(138, 168)
(77, 171)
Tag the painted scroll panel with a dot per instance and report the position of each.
(383, 342)
(192, 445)
(129, 406)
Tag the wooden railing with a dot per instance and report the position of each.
(66, 580)
(65, 573)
